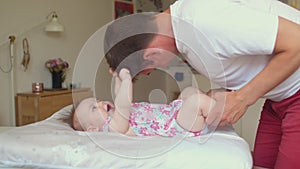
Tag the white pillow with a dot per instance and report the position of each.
(52, 143)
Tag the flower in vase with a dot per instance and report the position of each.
(57, 65)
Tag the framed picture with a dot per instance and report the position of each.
(293, 3)
(127, 7)
(284, 1)
(123, 8)
(152, 5)
(149, 5)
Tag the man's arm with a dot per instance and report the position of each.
(285, 61)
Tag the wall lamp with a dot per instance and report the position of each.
(53, 25)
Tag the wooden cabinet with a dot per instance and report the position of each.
(33, 107)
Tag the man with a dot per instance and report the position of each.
(249, 47)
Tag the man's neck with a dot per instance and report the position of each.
(164, 23)
(164, 26)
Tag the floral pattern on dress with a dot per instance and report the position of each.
(157, 119)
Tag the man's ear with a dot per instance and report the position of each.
(150, 53)
(93, 129)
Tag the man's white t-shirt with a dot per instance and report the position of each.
(231, 41)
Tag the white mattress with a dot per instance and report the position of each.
(52, 143)
(4, 128)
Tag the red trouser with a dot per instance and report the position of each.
(277, 143)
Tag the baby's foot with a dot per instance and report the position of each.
(124, 74)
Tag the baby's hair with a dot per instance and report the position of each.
(72, 117)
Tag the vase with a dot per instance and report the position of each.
(57, 79)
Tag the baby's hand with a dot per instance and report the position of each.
(124, 74)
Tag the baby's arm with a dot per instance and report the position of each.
(194, 110)
(123, 100)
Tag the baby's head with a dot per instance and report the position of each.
(90, 114)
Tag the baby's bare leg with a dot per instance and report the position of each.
(187, 92)
(193, 112)
(124, 94)
(123, 100)
(117, 83)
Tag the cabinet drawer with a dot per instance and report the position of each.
(45, 108)
(50, 105)
(28, 105)
(32, 107)
(28, 109)
(61, 101)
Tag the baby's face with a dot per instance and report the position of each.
(91, 114)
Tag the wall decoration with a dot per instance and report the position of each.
(149, 6)
(127, 7)
(294, 3)
(123, 8)
(284, 1)
(152, 5)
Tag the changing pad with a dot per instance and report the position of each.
(52, 143)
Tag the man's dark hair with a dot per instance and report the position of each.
(125, 40)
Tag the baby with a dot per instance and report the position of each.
(185, 116)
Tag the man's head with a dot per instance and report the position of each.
(126, 40)
(91, 114)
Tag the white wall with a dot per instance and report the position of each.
(81, 19)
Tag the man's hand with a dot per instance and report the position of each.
(230, 107)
